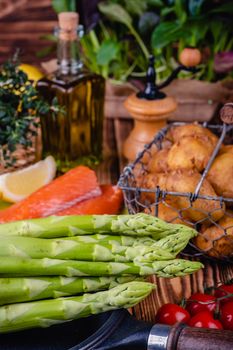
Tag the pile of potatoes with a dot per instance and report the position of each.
(178, 168)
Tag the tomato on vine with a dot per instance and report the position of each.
(204, 319)
(224, 290)
(227, 315)
(199, 302)
(171, 313)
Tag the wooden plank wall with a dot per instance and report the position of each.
(22, 23)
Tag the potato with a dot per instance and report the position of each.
(220, 175)
(177, 132)
(158, 162)
(226, 149)
(186, 181)
(168, 213)
(189, 153)
(214, 240)
(151, 181)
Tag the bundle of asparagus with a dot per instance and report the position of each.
(106, 257)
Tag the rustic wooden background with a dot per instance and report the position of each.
(22, 24)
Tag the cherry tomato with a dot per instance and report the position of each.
(171, 313)
(227, 315)
(224, 289)
(200, 302)
(204, 319)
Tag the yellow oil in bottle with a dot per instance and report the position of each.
(74, 135)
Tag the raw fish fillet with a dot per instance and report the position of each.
(76, 185)
(109, 202)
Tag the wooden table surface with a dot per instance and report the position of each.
(168, 290)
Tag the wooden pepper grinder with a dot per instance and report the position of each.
(150, 110)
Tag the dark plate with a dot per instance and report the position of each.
(59, 337)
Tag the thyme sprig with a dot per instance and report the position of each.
(20, 109)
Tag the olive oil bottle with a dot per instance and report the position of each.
(73, 136)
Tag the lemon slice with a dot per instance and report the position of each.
(17, 185)
(33, 72)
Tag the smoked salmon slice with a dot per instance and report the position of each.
(109, 202)
(75, 186)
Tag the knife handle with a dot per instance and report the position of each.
(182, 337)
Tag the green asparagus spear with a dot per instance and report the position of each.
(59, 226)
(45, 313)
(129, 241)
(174, 243)
(39, 248)
(13, 267)
(18, 289)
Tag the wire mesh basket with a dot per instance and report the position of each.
(184, 196)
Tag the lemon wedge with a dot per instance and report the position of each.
(19, 184)
(33, 72)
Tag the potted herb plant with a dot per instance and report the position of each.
(20, 109)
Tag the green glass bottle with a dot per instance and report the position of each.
(75, 135)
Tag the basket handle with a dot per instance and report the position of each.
(226, 113)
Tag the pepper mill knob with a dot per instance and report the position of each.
(150, 110)
(151, 91)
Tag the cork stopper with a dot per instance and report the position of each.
(68, 23)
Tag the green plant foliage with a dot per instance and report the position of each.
(116, 13)
(64, 5)
(136, 7)
(147, 22)
(195, 7)
(107, 52)
(166, 33)
(138, 28)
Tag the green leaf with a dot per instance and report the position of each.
(180, 10)
(156, 3)
(49, 37)
(116, 13)
(72, 4)
(46, 51)
(216, 29)
(64, 5)
(147, 22)
(195, 7)
(108, 51)
(166, 11)
(166, 33)
(195, 31)
(137, 7)
(227, 8)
